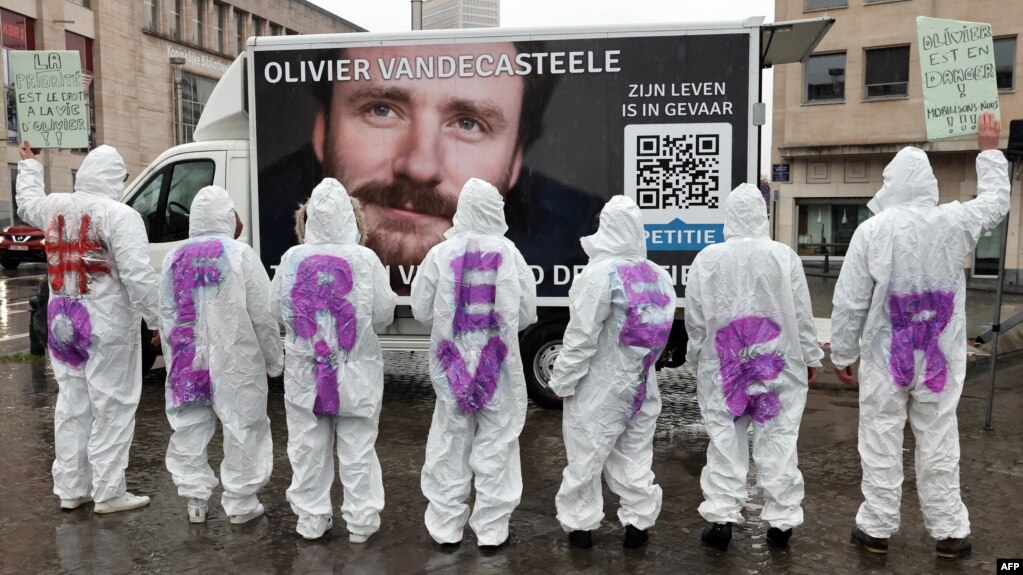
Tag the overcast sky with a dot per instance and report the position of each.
(395, 16)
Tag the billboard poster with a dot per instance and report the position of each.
(559, 126)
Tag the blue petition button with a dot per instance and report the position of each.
(678, 236)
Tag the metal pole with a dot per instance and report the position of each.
(996, 325)
(417, 14)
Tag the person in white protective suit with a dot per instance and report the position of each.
(899, 307)
(220, 342)
(101, 283)
(332, 295)
(622, 306)
(476, 292)
(753, 342)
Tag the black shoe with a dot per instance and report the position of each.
(581, 539)
(490, 548)
(718, 535)
(872, 544)
(778, 538)
(635, 538)
(953, 548)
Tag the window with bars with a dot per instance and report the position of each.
(195, 92)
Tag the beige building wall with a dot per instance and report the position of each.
(839, 149)
(134, 78)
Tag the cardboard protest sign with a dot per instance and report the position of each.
(957, 65)
(52, 110)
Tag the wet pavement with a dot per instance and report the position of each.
(16, 286)
(37, 538)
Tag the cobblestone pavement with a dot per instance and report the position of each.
(37, 538)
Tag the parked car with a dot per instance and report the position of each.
(21, 243)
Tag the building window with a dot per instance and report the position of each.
(17, 32)
(258, 27)
(195, 92)
(825, 227)
(1005, 63)
(198, 21)
(239, 31)
(219, 31)
(83, 46)
(82, 3)
(887, 72)
(989, 249)
(825, 77)
(174, 12)
(825, 4)
(275, 29)
(152, 8)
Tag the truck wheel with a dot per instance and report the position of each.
(539, 348)
(9, 264)
(149, 351)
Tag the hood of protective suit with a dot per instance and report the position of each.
(212, 213)
(620, 232)
(102, 173)
(908, 179)
(480, 210)
(329, 215)
(746, 213)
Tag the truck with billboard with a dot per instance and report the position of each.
(559, 120)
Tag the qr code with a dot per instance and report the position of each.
(678, 171)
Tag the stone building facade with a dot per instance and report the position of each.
(130, 50)
(841, 117)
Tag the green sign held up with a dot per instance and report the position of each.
(52, 107)
(957, 65)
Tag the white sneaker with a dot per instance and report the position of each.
(245, 518)
(123, 502)
(313, 526)
(358, 538)
(69, 504)
(197, 509)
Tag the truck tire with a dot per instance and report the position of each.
(149, 351)
(539, 349)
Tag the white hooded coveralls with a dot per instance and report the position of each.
(219, 342)
(751, 339)
(332, 295)
(899, 308)
(101, 283)
(476, 292)
(622, 307)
